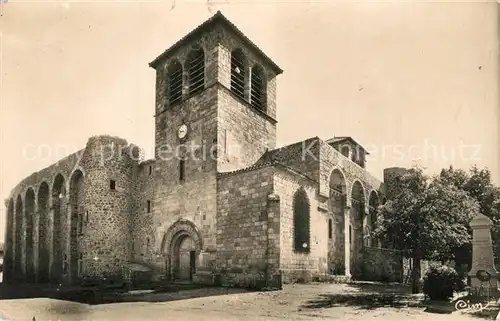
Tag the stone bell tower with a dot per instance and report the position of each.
(215, 112)
(215, 88)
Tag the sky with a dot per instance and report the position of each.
(413, 82)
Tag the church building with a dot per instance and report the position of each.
(218, 200)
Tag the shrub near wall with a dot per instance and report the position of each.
(383, 265)
(441, 281)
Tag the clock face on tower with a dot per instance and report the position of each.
(181, 133)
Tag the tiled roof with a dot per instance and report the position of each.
(275, 155)
(246, 169)
(216, 18)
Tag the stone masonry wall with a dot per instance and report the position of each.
(105, 242)
(330, 158)
(243, 133)
(391, 176)
(16, 262)
(194, 198)
(228, 42)
(206, 41)
(248, 230)
(142, 226)
(382, 265)
(300, 266)
(47, 228)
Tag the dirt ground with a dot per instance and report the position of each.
(299, 302)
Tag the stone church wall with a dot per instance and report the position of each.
(330, 158)
(248, 230)
(381, 264)
(297, 267)
(142, 224)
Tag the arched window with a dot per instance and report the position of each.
(258, 88)
(330, 228)
(174, 80)
(238, 68)
(196, 71)
(301, 222)
(345, 150)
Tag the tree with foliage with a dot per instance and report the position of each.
(479, 185)
(428, 218)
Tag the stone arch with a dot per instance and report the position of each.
(358, 197)
(75, 217)
(43, 201)
(373, 204)
(195, 67)
(19, 227)
(174, 82)
(239, 66)
(29, 211)
(59, 210)
(9, 246)
(178, 233)
(357, 216)
(77, 169)
(336, 250)
(258, 84)
(57, 179)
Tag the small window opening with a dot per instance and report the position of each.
(150, 170)
(174, 78)
(257, 88)
(196, 71)
(330, 228)
(345, 150)
(112, 184)
(182, 169)
(148, 205)
(238, 73)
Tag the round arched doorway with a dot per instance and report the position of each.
(184, 258)
(181, 245)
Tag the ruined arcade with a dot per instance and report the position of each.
(218, 197)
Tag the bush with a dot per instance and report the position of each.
(441, 281)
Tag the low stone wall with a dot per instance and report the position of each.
(303, 275)
(379, 264)
(236, 277)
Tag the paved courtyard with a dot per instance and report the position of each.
(299, 302)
